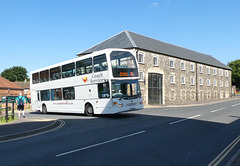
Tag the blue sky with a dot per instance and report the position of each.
(39, 33)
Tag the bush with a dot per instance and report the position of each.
(10, 118)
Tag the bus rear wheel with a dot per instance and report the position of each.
(44, 109)
(89, 110)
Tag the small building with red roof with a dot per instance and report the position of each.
(8, 88)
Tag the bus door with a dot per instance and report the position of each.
(104, 96)
(38, 101)
(35, 100)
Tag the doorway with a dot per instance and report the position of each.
(155, 88)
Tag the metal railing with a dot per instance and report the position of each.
(7, 108)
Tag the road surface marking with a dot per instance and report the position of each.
(225, 152)
(101, 143)
(217, 110)
(184, 119)
(235, 105)
(38, 132)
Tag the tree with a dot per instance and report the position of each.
(235, 65)
(15, 73)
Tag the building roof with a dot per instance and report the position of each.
(128, 40)
(6, 84)
(24, 85)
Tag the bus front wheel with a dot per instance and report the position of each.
(44, 109)
(89, 110)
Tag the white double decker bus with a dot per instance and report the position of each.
(103, 82)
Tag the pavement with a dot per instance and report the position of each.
(25, 127)
(28, 126)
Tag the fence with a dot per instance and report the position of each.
(6, 109)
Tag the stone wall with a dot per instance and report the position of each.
(192, 81)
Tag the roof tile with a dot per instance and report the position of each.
(4, 83)
(127, 39)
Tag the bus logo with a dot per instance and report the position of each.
(84, 79)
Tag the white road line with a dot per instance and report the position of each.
(235, 105)
(101, 143)
(185, 119)
(217, 110)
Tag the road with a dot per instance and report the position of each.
(166, 136)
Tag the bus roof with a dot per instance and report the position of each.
(79, 58)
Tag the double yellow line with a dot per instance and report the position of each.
(225, 152)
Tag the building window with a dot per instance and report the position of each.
(192, 81)
(172, 79)
(208, 82)
(192, 67)
(182, 65)
(200, 81)
(226, 73)
(226, 83)
(221, 83)
(141, 57)
(221, 72)
(200, 69)
(215, 71)
(215, 82)
(182, 80)
(155, 61)
(171, 63)
(141, 76)
(208, 70)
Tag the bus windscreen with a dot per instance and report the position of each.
(123, 64)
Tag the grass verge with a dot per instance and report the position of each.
(10, 118)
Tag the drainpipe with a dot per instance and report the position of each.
(196, 81)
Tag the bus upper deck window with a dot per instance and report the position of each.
(100, 63)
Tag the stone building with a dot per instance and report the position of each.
(170, 74)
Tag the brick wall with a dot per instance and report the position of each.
(10, 92)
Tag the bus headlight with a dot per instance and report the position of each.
(116, 104)
(141, 103)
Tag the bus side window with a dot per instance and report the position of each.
(35, 78)
(38, 96)
(55, 73)
(69, 93)
(103, 90)
(45, 95)
(100, 63)
(68, 70)
(84, 66)
(56, 94)
(44, 76)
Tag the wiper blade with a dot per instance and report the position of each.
(129, 97)
(121, 98)
(124, 97)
